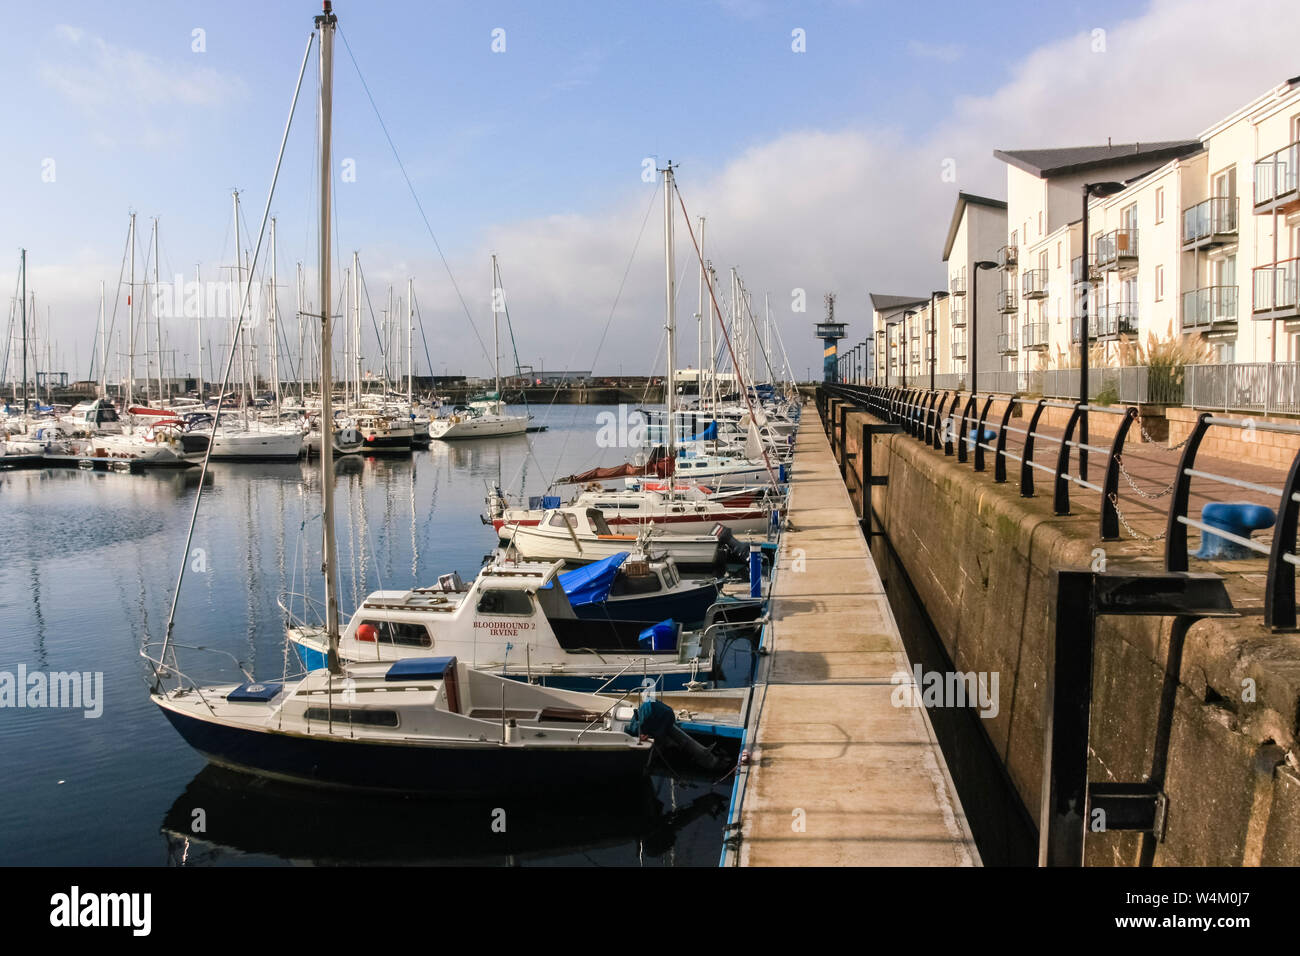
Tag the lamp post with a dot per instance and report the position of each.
(1100, 190)
(973, 343)
(934, 323)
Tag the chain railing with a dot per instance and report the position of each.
(963, 425)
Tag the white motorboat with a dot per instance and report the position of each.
(579, 535)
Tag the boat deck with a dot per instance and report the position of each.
(838, 775)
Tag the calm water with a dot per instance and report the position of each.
(88, 563)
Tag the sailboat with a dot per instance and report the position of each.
(485, 417)
(431, 724)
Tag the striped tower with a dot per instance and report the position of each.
(830, 332)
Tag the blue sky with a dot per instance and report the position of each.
(505, 149)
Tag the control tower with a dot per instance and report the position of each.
(830, 332)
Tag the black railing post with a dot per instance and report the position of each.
(1175, 530)
(1110, 483)
(961, 434)
(1000, 457)
(1061, 500)
(1026, 462)
(1279, 593)
(979, 434)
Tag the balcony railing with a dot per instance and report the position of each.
(1007, 257)
(1007, 301)
(958, 317)
(1033, 336)
(1114, 319)
(1214, 220)
(1275, 287)
(1007, 343)
(1117, 247)
(1208, 307)
(958, 347)
(1275, 176)
(957, 282)
(1033, 283)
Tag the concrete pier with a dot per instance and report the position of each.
(839, 773)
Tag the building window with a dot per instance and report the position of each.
(1160, 204)
(1040, 222)
(1058, 255)
(1160, 283)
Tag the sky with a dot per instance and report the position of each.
(828, 168)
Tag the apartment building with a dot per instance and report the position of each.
(977, 229)
(1039, 267)
(898, 336)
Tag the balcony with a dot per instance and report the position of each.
(1007, 303)
(1210, 223)
(1210, 308)
(958, 317)
(1007, 343)
(958, 347)
(1033, 336)
(1275, 290)
(1007, 257)
(957, 282)
(1117, 249)
(1114, 319)
(1033, 284)
(1276, 181)
(1093, 326)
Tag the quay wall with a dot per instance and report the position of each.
(982, 558)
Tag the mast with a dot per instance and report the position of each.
(670, 295)
(354, 333)
(325, 24)
(157, 315)
(496, 334)
(130, 301)
(273, 316)
(23, 260)
(239, 284)
(103, 346)
(699, 327)
(410, 332)
(198, 284)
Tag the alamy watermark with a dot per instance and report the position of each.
(976, 689)
(79, 690)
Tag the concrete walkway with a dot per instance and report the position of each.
(840, 776)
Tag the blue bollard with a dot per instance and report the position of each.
(1237, 518)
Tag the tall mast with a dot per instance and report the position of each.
(130, 301)
(699, 326)
(410, 332)
(496, 334)
(355, 332)
(198, 284)
(239, 285)
(715, 312)
(157, 316)
(23, 260)
(273, 316)
(103, 346)
(325, 24)
(302, 352)
(670, 295)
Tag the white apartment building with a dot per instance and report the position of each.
(897, 332)
(977, 229)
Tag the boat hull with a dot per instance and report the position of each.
(443, 430)
(468, 769)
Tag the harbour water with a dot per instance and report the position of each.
(88, 562)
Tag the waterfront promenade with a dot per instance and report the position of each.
(839, 775)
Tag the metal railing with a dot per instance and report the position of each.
(1216, 216)
(951, 422)
(1007, 343)
(1264, 387)
(958, 317)
(1116, 246)
(1115, 319)
(1007, 301)
(1210, 306)
(1275, 286)
(1275, 175)
(1006, 257)
(1033, 283)
(1034, 335)
(957, 282)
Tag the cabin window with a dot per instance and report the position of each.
(598, 522)
(557, 521)
(500, 601)
(359, 716)
(396, 633)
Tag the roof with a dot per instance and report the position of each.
(964, 200)
(892, 303)
(1044, 163)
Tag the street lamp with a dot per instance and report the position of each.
(1101, 191)
(973, 343)
(942, 294)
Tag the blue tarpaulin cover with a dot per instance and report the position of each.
(659, 637)
(590, 584)
(710, 432)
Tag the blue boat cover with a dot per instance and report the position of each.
(590, 584)
(254, 692)
(659, 637)
(709, 433)
(420, 668)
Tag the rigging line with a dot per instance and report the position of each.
(230, 361)
(411, 186)
(365, 289)
(753, 322)
(415, 300)
(744, 388)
